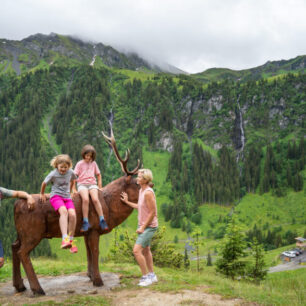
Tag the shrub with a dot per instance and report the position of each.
(164, 254)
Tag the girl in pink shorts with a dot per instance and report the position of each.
(62, 178)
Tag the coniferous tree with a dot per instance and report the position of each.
(257, 271)
(231, 262)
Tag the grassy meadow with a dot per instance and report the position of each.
(278, 289)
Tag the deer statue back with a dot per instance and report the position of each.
(43, 222)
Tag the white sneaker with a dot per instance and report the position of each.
(153, 277)
(145, 281)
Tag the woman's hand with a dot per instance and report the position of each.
(124, 197)
(31, 202)
(140, 230)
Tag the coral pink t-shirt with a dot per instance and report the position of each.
(143, 210)
(86, 172)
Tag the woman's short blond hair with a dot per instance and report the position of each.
(146, 174)
(61, 159)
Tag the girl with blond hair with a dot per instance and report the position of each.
(62, 178)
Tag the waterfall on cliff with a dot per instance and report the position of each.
(241, 134)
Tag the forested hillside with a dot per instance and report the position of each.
(226, 140)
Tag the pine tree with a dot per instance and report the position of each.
(209, 261)
(186, 260)
(196, 243)
(231, 263)
(257, 271)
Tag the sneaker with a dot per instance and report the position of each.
(153, 277)
(66, 244)
(74, 248)
(145, 281)
(85, 226)
(103, 225)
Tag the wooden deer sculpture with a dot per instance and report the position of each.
(43, 222)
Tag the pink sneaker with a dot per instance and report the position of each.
(66, 244)
(73, 248)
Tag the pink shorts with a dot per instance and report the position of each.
(57, 202)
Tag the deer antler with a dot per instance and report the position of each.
(123, 163)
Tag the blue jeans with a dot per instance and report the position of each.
(1, 250)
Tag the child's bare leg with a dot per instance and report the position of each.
(63, 220)
(98, 206)
(85, 207)
(85, 202)
(72, 221)
(96, 202)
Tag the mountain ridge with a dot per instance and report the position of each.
(270, 68)
(29, 52)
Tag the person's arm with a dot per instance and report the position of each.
(42, 195)
(99, 178)
(124, 199)
(24, 195)
(76, 172)
(74, 187)
(150, 200)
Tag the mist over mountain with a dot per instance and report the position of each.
(51, 47)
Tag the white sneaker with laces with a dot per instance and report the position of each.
(153, 277)
(145, 281)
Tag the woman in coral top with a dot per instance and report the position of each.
(147, 225)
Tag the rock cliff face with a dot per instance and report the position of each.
(255, 112)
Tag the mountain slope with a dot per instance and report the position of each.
(269, 69)
(253, 129)
(45, 50)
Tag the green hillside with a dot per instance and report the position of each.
(266, 71)
(223, 148)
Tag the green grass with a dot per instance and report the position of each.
(207, 148)
(79, 300)
(99, 63)
(24, 57)
(278, 289)
(261, 209)
(142, 75)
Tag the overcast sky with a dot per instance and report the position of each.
(193, 35)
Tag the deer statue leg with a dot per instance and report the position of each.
(17, 280)
(89, 258)
(24, 254)
(93, 243)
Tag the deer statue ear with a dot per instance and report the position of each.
(128, 179)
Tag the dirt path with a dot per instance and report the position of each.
(60, 288)
(148, 297)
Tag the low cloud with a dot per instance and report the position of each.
(192, 35)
